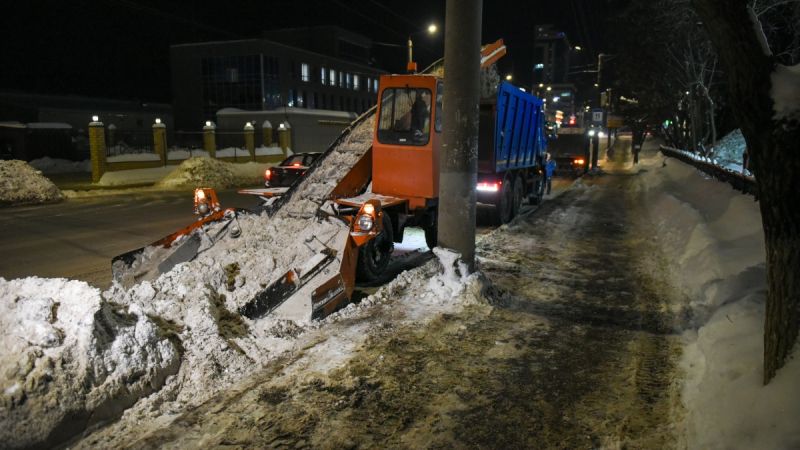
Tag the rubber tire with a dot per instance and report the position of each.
(374, 256)
(504, 206)
(538, 191)
(431, 235)
(518, 196)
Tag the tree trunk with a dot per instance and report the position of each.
(773, 159)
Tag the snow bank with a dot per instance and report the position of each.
(22, 184)
(69, 360)
(196, 172)
(730, 149)
(714, 237)
(208, 172)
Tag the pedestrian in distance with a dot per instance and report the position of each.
(549, 170)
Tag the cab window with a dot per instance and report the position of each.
(405, 116)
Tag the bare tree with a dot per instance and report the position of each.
(750, 68)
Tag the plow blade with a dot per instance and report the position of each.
(324, 284)
(147, 263)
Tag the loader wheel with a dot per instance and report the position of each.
(374, 256)
(431, 235)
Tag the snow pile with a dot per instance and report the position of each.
(786, 92)
(714, 237)
(69, 360)
(55, 165)
(196, 172)
(22, 184)
(730, 149)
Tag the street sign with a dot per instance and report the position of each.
(598, 117)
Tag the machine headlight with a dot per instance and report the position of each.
(202, 208)
(365, 222)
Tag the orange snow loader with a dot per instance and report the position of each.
(395, 185)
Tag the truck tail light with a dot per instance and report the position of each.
(579, 161)
(489, 187)
(267, 174)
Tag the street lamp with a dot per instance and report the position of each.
(509, 77)
(578, 48)
(412, 66)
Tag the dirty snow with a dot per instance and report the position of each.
(70, 360)
(22, 184)
(172, 177)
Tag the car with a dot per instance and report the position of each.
(289, 170)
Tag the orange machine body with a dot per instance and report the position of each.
(402, 167)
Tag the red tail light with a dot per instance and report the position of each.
(268, 174)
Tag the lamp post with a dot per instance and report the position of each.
(411, 66)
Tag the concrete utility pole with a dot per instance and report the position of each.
(458, 162)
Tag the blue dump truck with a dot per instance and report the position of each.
(511, 148)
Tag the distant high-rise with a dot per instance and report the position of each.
(550, 56)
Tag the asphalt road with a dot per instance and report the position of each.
(77, 238)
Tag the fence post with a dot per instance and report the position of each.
(97, 148)
(250, 140)
(160, 140)
(266, 130)
(210, 139)
(285, 138)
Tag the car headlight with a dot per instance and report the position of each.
(365, 222)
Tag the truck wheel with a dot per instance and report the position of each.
(374, 256)
(517, 196)
(504, 206)
(538, 191)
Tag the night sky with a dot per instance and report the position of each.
(120, 48)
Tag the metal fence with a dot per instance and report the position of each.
(739, 181)
(128, 142)
(189, 140)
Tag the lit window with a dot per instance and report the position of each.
(332, 80)
(356, 83)
(305, 72)
(323, 76)
(342, 80)
(375, 85)
(369, 84)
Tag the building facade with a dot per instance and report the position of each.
(550, 56)
(263, 74)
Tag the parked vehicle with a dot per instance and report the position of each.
(289, 170)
